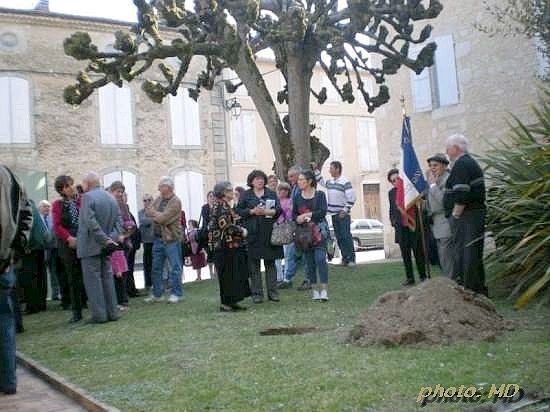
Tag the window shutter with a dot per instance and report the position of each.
(192, 119)
(238, 138)
(445, 66)
(107, 114)
(5, 110)
(177, 119)
(336, 135)
(180, 188)
(363, 143)
(372, 145)
(196, 196)
(130, 183)
(420, 84)
(123, 105)
(250, 137)
(20, 111)
(109, 178)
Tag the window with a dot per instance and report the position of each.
(115, 114)
(129, 181)
(189, 188)
(185, 119)
(243, 137)
(436, 86)
(368, 145)
(331, 136)
(15, 117)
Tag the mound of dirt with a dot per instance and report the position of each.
(437, 311)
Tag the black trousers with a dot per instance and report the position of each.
(121, 290)
(33, 280)
(148, 264)
(129, 277)
(256, 284)
(73, 273)
(410, 242)
(467, 242)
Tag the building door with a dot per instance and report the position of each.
(371, 201)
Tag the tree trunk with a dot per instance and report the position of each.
(299, 78)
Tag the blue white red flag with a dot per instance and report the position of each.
(412, 182)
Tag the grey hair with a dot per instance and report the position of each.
(92, 178)
(220, 188)
(166, 181)
(43, 203)
(295, 170)
(284, 186)
(458, 140)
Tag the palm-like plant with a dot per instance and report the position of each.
(518, 170)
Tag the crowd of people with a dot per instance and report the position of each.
(87, 240)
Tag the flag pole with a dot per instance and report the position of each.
(420, 210)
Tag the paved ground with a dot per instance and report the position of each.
(34, 395)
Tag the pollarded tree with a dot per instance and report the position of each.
(340, 36)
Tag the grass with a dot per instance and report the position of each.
(190, 357)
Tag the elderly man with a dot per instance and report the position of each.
(52, 260)
(465, 206)
(99, 229)
(166, 214)
(437, 177)
(341, 198)
(147, 238)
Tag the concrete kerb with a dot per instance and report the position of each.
(80, 396)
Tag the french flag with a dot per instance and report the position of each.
(412, 184)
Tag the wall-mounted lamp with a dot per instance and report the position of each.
(233, 106)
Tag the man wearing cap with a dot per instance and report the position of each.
(166, 214)
(437, 177)
(464, 202)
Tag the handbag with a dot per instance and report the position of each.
(283, 233)
(307, 236)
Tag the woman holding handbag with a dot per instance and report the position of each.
(310, 209)
(283, 193)
(226, 241)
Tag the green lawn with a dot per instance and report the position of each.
(191, 357)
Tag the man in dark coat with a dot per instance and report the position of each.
(259, 207)
(464, 202)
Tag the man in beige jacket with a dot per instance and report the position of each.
(166, 214)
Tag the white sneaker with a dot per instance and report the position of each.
(173, 299)
(323, 295)
(316, 295)
(351, 264)
(152, 299)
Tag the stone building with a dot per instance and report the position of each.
(117, 132)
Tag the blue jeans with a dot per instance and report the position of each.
(316, 262)
(342, 232)
(8, 380)
(291, 261)
(172, 252)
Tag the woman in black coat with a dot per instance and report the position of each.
(259, 208)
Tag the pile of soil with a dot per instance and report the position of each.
(438, 311)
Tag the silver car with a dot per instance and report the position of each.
(366, 233)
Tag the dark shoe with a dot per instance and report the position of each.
(257, 299)
(226, 309)
(273, 298)
(77, 317)
(304, 286)
(19, 329)
(238, 307)
(423, 279)
(408, 282)
(285, 285)
(9, 391)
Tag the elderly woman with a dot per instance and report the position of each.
(225, 242)
(259, 208)
(310, 208)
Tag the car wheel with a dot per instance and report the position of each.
(356, 244)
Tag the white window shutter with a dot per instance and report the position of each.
(336, 137)
(250, 136)
(181, 188)
(109, 178)
(238, 138)
(196, 196)
(363, 143)
(192, 119)
(177, 119)
(20, 111)
(123, 102)
(5, 110)
(420, 84)
(325, 134)
(130, 184)
(107, 114)
(372, 145)
(445, 66)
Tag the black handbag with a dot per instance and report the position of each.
(303, 237)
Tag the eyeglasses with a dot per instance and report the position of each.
(147, 200)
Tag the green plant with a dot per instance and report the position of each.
(519, 206)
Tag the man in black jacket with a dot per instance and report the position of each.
(464, 202)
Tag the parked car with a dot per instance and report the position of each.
(366, 233)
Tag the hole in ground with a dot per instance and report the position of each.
(288, 331)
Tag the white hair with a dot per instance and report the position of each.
(43, 203)
(458, 140)
(166, 181)
(92, 178)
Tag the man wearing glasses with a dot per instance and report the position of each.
(147, 238)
